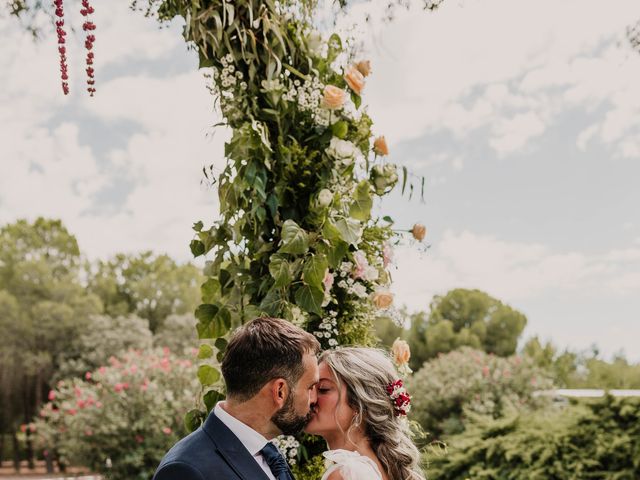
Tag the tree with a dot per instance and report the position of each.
(465, 318)
(147, 285)
(43, 308)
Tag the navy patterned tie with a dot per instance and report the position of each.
(276, 462)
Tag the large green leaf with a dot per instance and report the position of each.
(214, 321)
(310, 299)
(193, 419)
(279, 268)
(314, 270)
(362, 202)
(211, 398)
(294, 239)
(331, 232)
(350, 230)
(210, 290)
(336, 253)
(208, 375)
(272, 303)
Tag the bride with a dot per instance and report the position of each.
(360, 413)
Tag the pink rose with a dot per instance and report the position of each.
(333, 97)
(355, 80)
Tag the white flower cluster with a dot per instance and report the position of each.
(229, 76)
(328, 329)
(308, 95)
(350, 284)
(288, 446)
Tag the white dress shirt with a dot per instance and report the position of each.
(252, 440)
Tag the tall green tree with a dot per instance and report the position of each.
(43, 308)
(147, 285)
(464, 317)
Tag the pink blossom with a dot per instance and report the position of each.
(98, 404)
(87, 376)
(23, 427)
(166, 351)
(81, 404)
(166, 431)
(88, 433)
(102, 369)
(485, 371)
(52, 395)
(327, 281)
(387, 255)
(361, 263)
(72, 411)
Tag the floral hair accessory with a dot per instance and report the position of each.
(399, 397)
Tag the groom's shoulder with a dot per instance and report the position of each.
(188, 458)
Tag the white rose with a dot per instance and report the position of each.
(325, 197)
(342, 150)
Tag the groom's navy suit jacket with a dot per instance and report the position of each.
(212, 452)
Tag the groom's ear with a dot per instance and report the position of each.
(279, 391)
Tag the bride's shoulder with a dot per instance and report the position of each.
(347, 465)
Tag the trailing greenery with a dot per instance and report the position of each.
(593, 440)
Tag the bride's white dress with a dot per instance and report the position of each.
(352, 465)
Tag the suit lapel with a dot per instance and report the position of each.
(232, 450)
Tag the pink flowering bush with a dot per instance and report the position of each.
(468, 380)
(121, 418)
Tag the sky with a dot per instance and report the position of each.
(521, 116)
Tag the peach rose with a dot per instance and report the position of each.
(355, 80)
(380, 146)
(401, 352)
(364, 67)
(333, 97)
(382, 299)
(419, 231)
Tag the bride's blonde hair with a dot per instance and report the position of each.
(366, 372)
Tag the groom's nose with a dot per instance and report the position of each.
(313, 396)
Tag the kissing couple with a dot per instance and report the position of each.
(278, 382)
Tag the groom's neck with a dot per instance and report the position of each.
(253, 414)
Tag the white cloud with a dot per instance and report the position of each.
(545, 58)
(513, 271)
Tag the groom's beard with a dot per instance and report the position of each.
(288, 421)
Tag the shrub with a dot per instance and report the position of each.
(122, 418)
(471, 380)
(594, 440)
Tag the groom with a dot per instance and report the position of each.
(270, 370)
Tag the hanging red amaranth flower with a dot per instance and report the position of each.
(62, 49)
(88, 26)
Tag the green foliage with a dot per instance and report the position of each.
(465, 318)
(102, 338)
(446, 389)
(147, 285)
(583, 370)
(600, 439)
(43, 308)
(177, 333)
(130, 412)
(296, 238)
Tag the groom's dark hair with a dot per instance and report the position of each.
(264, 349)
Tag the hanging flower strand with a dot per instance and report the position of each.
(88, 26)
(62, 49)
